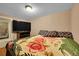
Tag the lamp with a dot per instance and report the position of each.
(28, 8)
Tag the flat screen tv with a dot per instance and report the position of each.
(21, 26)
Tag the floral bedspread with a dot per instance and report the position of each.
(42, 46)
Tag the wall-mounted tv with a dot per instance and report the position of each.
(21, 26)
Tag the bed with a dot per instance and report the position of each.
(45, 45)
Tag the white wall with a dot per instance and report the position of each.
(75, 21)
(57, 21)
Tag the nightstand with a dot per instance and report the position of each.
(2, 51)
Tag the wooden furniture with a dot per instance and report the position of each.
(2, 51)
(22, 34)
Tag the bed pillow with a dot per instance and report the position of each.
(46, 33)
(43, 32)
(52, 34)
(65, 34)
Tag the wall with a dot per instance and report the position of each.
(75, 21)
(57, 21)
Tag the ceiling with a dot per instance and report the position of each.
(39, 9)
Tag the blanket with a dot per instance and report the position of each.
(46, 46)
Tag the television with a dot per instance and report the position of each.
(21, 26)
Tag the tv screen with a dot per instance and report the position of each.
(21, 26)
